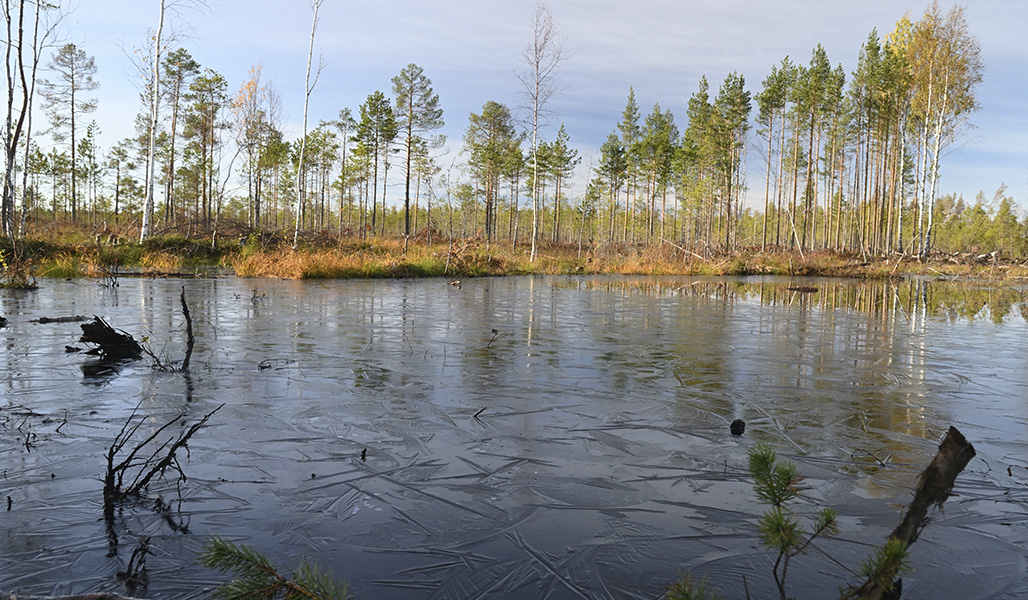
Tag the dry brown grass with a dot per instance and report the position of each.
(65, 250)
(160, 262)
(472, 258)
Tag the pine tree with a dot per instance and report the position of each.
(203, 125)
(417, 112)
(74, 71)
(657, 147)
(563, 160)
(376, 131)
(630, 133)
(179, 71)
(771, 103)
(490, 140)
(611, 170)
(732, 107)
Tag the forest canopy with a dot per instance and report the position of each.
(808, 157)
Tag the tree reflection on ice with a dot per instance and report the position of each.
(583, 450)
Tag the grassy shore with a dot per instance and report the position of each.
(80, 256)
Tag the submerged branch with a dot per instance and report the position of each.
(189, 331)
(156, 464)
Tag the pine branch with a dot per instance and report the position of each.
(256, 577)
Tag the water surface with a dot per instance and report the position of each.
(544, 437)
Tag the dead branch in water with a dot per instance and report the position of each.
(190, 340)
(933, 488)
(189, 331)
(136, 469)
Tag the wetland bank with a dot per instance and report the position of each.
(523, 437)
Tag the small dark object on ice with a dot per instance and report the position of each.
(737, 427)
(111, 345)
(3, 322)
(364, 454)
(70, 349)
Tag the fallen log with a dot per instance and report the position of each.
(110, 344)
(71, 319)
(933, 488)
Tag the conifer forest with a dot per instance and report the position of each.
(803, 157)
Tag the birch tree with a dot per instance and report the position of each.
(308, 88)
(28, 31)
(251, 108)
(151, 148)
(153, 91)
(542, 58)
(946, 67)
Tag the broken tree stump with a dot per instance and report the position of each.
(933, 488)
(110, 344)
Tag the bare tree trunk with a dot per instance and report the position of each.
(12, 130)
(543, 56)
(307, 88)
(151, 152)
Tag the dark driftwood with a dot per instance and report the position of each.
(189, 331)
(71, 319)
(933, 488)
(110, 344)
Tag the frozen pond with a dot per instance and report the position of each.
(525, 437)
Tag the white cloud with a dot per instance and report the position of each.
(470, 50)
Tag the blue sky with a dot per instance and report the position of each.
(471, 48)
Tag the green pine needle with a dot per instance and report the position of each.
(888, 562)
(256, 577)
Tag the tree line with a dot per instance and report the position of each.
(850, 161)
